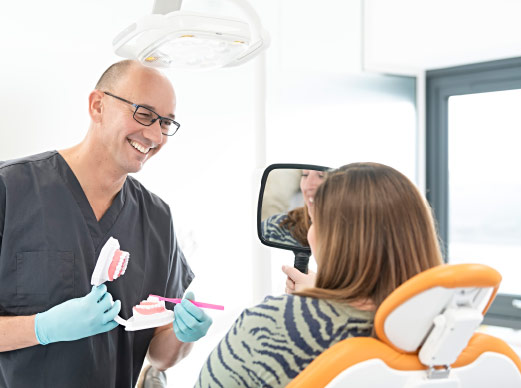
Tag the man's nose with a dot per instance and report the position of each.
(313, 182)
(154, 132)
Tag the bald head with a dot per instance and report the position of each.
(113, 74)
(118, 71)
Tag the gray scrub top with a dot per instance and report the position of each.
(49, 243)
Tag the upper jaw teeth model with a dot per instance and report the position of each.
(112, 263)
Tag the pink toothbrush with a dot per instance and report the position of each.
(198, 304)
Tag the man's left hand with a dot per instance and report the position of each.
(190, 322)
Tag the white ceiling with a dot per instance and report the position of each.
(404, 36)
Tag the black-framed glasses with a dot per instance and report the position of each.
(147, 117)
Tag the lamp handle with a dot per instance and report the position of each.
(166, 6)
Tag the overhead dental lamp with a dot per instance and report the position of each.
(170, 38)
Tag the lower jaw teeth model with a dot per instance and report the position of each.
(149, 313)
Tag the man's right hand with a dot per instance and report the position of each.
(297, 281)
(78, 318)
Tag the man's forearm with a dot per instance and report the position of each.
(17, 333)
(165, 349)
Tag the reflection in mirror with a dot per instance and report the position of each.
(287, 198)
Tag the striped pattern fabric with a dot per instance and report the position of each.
(271, 343)
(272, 231)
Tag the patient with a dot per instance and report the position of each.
(371, 231)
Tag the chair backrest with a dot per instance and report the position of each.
(425, 338)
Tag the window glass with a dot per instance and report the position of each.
(485, 183)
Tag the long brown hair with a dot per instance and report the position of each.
(374, 230)
(298, 222)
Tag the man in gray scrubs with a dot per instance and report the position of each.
(57, 210)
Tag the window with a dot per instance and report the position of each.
(473, 172)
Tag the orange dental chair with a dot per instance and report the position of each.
(426, 338)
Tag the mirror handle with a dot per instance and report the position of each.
(301, 261)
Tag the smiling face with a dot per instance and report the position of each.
(309, 183)
(127, 143)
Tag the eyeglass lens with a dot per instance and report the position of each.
(147, 117)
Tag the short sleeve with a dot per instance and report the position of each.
(2, 209)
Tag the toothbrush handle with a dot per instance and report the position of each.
(207, 305)
(198, 304)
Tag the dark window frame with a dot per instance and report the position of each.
(441, 84)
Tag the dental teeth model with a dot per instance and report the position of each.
(112, 263)
(149, 313)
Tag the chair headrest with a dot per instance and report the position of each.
(407, 316)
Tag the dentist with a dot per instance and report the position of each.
(57, 210)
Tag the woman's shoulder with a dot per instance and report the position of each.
(273, 231)
(270, 308)
(303, 320)
(274, 221)
(352, 314)
(270, 312)
(277, 218)
(274, 308)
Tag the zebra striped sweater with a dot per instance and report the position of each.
(271, 343)
(272, 231)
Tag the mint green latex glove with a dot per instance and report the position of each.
(78, 318)
(190, 322)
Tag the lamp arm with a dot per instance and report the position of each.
(260, 38)
(166, 6)
(253, 17)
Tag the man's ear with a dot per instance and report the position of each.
(95, 105)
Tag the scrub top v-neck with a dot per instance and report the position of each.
(49, 243)
(97, 229)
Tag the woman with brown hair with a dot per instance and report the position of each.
(371, 231)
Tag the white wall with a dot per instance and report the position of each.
(322, 109)
(410, 35)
